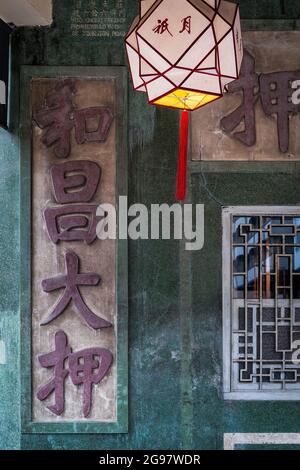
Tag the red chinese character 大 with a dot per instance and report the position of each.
(57, 118)
(70, 282)
(87, 367)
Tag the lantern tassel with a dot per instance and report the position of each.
(182, 158)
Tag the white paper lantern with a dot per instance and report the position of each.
(183, 53)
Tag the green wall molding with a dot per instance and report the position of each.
(175, 398)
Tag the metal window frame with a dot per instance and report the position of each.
(227, 215)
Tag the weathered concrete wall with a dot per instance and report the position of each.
(174, 307)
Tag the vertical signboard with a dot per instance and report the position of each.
(77, 313)
(257, 120)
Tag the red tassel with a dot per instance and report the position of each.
(182, 158)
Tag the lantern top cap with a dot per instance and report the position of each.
(145, 5)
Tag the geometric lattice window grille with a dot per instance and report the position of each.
(261, 303)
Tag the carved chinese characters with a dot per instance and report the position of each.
(70, 282)
(74, 312)
(257, 120)
(163, 26)
(86, 367)
(59, 117)
(275, 93)
(276, 98)
(247, 83)
(71, 223)
(75, 181)
(56, 359)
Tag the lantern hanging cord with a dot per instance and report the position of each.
(182, 157)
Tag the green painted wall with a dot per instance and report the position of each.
(175, 359)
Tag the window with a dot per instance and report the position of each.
(261, 303)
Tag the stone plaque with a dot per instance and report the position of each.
(74, 315)
(256, 120)
(105, 19)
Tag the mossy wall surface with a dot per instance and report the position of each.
(175, 300)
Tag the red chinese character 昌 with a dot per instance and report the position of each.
(276, 100)
(73, 182)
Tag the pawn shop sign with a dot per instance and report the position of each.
(183, 53)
